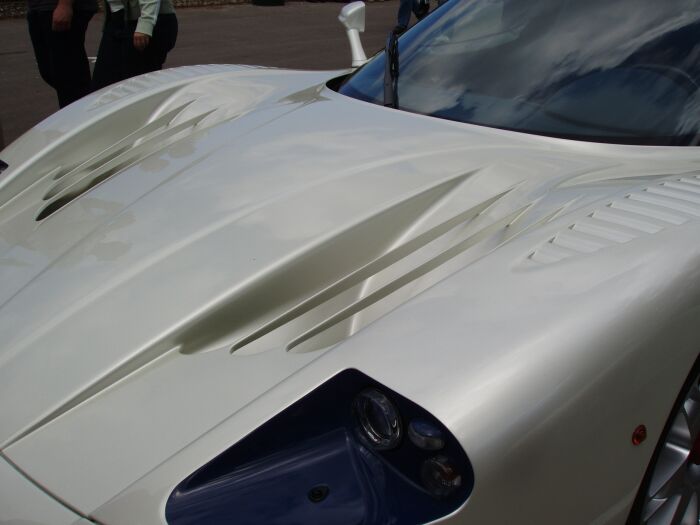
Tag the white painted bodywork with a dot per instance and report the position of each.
(541, 295)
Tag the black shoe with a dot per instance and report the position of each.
(399, 29)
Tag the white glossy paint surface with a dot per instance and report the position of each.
(22, 503)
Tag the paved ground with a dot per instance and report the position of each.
(297, 35)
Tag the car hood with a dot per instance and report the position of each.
(176, 247)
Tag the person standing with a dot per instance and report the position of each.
(419, 8)
(136, 38)
(57, 30)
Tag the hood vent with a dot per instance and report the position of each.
(643, 212)
(141, 84)
(152, 137)
(344, 307)
(405, 279)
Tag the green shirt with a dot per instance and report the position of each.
(146, 12)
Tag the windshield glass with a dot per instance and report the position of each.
(621, 71)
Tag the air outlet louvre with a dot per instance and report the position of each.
(139, 85)
(579, 242)
(684, 185)
(666, 202)
(695, 181)
(641, 209)
(644, 212)
(603, 230)
(619, 220)
(155, 135)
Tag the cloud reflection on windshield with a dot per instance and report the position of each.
(498, 62)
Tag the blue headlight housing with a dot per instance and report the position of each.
(338, 455)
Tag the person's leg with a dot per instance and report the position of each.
(404, 16)
(112, 53)
(161, 43)
(164, 38)
(39, 25)
(421, 8)
(70, 70)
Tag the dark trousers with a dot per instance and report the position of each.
(60, 55)
(117, 59)
(406, 7)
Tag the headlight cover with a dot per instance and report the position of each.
(313, 464)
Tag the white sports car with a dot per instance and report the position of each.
(458, 284)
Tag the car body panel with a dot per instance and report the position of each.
(23, 503)
(170, 289)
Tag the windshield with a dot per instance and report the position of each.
(618, 71)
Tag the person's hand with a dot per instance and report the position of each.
(141, 41)
(62, 17)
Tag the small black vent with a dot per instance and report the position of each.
(3, 166)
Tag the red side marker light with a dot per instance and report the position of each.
(639, 435)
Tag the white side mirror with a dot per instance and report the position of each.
(352, 16)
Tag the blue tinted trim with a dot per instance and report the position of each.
(308, 466)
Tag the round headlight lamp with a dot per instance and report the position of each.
(441, 478)
(425, 435)
(378, 420)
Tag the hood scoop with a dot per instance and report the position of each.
(70, 184)
(332, 290)
(422, 254)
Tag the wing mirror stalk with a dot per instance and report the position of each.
(352, 16)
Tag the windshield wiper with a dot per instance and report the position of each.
(391, 71)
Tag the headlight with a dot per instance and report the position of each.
(378, 420)
(440, 476)
(338, 455)
(425, 435)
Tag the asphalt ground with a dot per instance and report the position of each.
(298, 35)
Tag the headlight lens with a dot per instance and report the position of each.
(378, 420)
(425, 435)
(440, 476)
